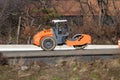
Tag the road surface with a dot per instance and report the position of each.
(64, 47)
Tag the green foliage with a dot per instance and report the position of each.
(47, 10)
(49, 14)
(3, 76)
(94, 76)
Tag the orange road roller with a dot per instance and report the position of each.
(58, 35)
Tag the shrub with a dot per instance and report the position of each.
(3, 60)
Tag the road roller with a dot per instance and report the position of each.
(58, 35)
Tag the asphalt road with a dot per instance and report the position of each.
(56, 53)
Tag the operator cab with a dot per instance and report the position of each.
(61, 31)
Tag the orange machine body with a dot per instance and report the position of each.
(83, 39)
(48, 39)
(40, 35)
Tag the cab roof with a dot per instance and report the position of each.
(56, 21)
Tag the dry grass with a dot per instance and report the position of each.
(64, 70)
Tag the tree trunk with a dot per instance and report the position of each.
(100, 17)
(29, 40)
(10, 35)
(18, 30)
